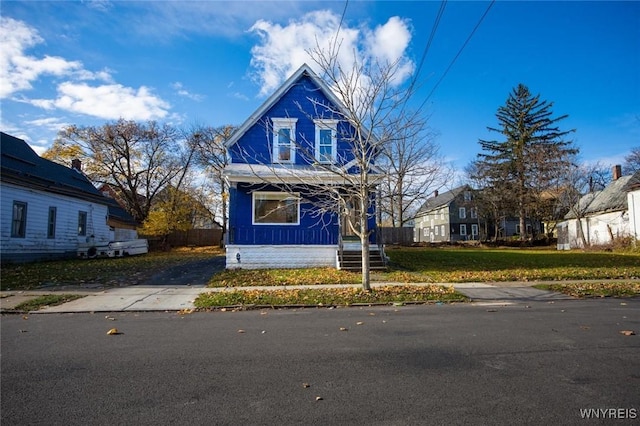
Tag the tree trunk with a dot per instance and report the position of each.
(364, 242)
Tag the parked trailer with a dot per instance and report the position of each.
(113, 249)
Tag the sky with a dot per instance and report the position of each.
(213, 63)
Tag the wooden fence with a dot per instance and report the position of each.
(400, 236)
(192, 237)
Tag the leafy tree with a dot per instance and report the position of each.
(138, 160)
(531, 156)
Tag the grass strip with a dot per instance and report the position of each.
(280, 277)
(329, 296)
(584, 290)
(46, 300)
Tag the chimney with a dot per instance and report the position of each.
(76, 164)
(617, 172)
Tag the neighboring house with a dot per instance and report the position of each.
(47, 209)
(633, 201)
(604, 215)
(273, 220)
(448, 217)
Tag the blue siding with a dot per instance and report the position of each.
(311, 230)
(256, 143)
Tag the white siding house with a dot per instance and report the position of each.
(46, 209)
(604, 215)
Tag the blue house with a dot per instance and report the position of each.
(279, 158)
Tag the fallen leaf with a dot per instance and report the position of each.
(627, 332)
(306, 385)
(113, 331)
(240, 331)
(359, 323)
(185, 311)
(344, 329)
(24, 317)
(318, 398)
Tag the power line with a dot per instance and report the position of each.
(486, 12)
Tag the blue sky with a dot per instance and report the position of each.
(213, 63)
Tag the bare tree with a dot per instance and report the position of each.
(211, 151)
(137, 160)
(632, 160)
(415, 169)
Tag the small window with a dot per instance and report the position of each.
(474, 230)
(436, 230)
(326, 135)
(443, 232)
(82, 223)
(284, 140)
(19, 220)
(462, 213)
(275, 208)
(463, 229)
(474, 212)
(425, 232)
(467, 195)
(51, 223)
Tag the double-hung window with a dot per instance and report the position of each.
(462, 213)
(82, 223)
(463, 229)
(326, 137)
(19, 219)
(276, 208)
(51, 223)
(284, 140)
(474, 212)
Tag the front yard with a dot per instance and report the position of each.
(407, 266)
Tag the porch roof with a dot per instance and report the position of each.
(289, 174)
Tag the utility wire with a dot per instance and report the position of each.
(486, 12)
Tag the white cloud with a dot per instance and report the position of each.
(19, 70)
(283, 49)
(112, 101)
(181, 91)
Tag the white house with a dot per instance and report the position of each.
(46, 209)
(604, 215)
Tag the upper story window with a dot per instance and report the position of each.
(462, 213)
(326, 140)
(473, 212)
(19, 220)
(284, 140)
(467, 195)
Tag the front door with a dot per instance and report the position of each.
(350, 217)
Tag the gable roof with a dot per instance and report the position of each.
(21, 166)
(610, 199)
(441, 200)
(303, 71)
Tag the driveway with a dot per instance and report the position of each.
(189, 273)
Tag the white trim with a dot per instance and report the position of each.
(331, 125)
(280, 124)
(282, 196)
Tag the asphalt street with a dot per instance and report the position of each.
(536, 363)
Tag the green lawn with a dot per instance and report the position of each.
(485, 265)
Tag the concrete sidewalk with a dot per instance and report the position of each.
(176, 298)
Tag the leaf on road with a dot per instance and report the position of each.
(186, 311)
(306, 385)
(344, 329)
(240, 331)
(318, 398)
(627, 332)
(113, 331)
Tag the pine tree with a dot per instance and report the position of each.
(532, 155)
